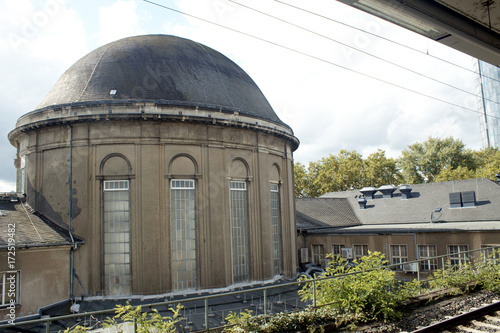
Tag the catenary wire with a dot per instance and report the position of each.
(319, 59)
(361, 51)
(386, 39)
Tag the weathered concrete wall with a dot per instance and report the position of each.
(44, 274)
(382, 243)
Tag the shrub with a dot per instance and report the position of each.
(374, 292)
(145, 322)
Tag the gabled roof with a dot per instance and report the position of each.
(324, 212)
(30, 229)
(428, 201)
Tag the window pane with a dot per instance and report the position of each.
(425, 252)
(456, 258)
(399, 254)
(318, 253)
(276, 229)
(183, 234)
(117, 279)
(239, 227)
(337, 249)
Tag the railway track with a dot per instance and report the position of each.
(478, 320)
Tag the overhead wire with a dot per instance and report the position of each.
(385, 39)
(359, 50)
(318, 58)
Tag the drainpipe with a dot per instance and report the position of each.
(74, 245)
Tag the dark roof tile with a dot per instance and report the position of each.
(30, 229)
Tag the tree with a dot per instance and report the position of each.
(424, 161)
(487, 162)
(345, 171)
(380, 170)
(301, 180)
(459, 173)
(340, 172)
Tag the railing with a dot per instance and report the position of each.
(262, 299)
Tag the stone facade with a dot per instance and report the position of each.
(69, 154)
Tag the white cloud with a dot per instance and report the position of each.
(329, 108)
(118, 20)
(39, 40)
(7, 186)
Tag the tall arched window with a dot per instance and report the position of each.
(183, 233)
(117, 278)
(115, 170)
(276, 220)
(239, 229)
(276, 229)
(183, 170)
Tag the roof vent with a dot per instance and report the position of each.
(368, 192)
(455, 200)
(362, 202)
(387, 191)
(405, 191)
(469, 199)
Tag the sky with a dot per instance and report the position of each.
(337, 87)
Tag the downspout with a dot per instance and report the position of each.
(74, 245)
(416, 246)
(386, 246)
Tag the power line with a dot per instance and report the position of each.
(316, 58)
(361, 51)
(385, 39)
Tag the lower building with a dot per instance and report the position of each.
(405, 223)
(35, 260)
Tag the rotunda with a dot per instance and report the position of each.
(167, 159)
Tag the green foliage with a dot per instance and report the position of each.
(453, 277)
(488, 272)
(335, 173)
(373, 293)
(309, 320)
(459, 173)
(424, 161)
(146, 322)
(345, 299)
(300, 180)
(345, 171)
(380, 170)
(434, 160)
(76, 329)
(483, 273)
(487, 162)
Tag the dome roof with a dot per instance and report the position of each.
(160, 69)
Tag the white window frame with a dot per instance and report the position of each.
(356, 253)
(276, 225)
(487, 252)
(182, 184)
(240, 235)
(125, 285)
(317, 255)
(6, 291)
(338, 252)
(184, 267)
(123, 185)
(399, 257)
(457, 259)
(426, 263)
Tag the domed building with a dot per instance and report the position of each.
(168, 161)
